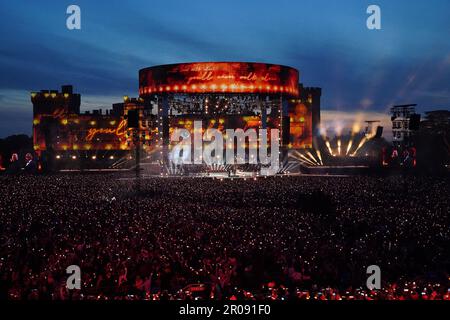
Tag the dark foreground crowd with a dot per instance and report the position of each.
(275, 238)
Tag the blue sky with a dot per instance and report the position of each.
(362, 72)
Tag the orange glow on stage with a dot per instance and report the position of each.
(227, 77)
(119, 131)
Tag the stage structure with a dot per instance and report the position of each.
(228, 95)
(221, 95)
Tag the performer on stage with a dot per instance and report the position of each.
(30, 166)
(13, 167)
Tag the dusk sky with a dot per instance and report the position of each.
(362, 72)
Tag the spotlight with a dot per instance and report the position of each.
(94, 157)
(319, 156)
(363, 141)
(58, 157)
(312, 158)
(74, 157)
(349, 146)
(327, 143)
(111, 157)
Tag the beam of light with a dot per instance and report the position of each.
(323, 131)
(294, 168)
(371, 134)
(312, 158)
(288, 167)
(285, 168)
(319, 156)
(302, 161)
(292, 154)
(356, 128)
(357, 124)
(339, 146)
(327, 143)
(349, 146)
(305, 159)
(310, 162)
(216, 167)
(338, 126)
(363, 141)
(118, 162)
(291, 167)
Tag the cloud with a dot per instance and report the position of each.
(91, 68)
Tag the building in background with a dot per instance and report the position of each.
(310, 96)
(433, 141)
(401, 116)
(63, 137)
(437, 121)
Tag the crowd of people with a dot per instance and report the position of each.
(277, 238)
